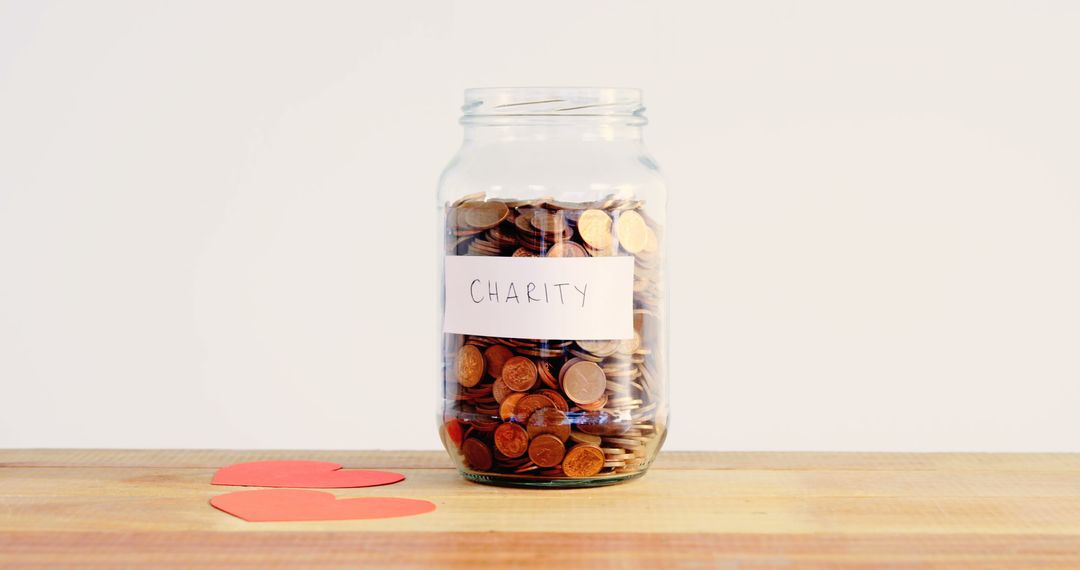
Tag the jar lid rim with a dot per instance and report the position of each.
(588, 101)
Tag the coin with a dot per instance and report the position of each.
(496, 356)
(546, 376)
(506, 407)
(454, 431)
(529, 404)
(594, 226)
(602, 348)
(519, 374)
(601, 422)
(550, 222)
(582, 437)
(499, 391)
(546, 450)
(566, 249)
(549, 420)
(470, 366)
(484, 215)
(511, 440)
(597, 405)
(583, 461)
(652, 243)
(633, 233)
(560, 402)
(477, 454)
(584, 382)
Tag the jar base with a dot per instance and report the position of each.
(525, 481)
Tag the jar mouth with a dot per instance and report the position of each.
(553, 102)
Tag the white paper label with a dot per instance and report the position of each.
(580, 298)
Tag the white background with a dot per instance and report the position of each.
(217, 218)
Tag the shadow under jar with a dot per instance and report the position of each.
(553, 302)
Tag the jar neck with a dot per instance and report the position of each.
(479, 131)
(536, 114)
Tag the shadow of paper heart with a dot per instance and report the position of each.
(282, 505)
(302, 474)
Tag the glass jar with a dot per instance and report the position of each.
(554, 309)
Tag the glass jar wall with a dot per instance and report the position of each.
(553, 352)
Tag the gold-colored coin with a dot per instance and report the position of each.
(601, 348)
(470, 366)
(519, 374)
(511, 440)
(594, 226)
(546, 450)
(583, 461)
(484, 215)
(652, 244)
(582, 437)
(633, 233)
(584, 382)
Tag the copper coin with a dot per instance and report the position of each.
(546, 450)
(584, 382)
(551, 421)
(601, 423)
(549, 222)
(506, 407)
(556, 397)
(454, 432)
(519, 374)
(470, 366)
(597, 405)
(496, 356)
(566, 249)
(524, 224)
(566, 366)
(484, 215)
(477, 455)
(529, 404)
(546, 375)
(499, 391)
(583, 461)
(511, 440)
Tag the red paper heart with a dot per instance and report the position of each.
(281, 505)
(308, 474)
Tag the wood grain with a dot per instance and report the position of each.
(758, 510)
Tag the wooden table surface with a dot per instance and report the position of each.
(694, 510)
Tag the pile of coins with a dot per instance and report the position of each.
(546, 409)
